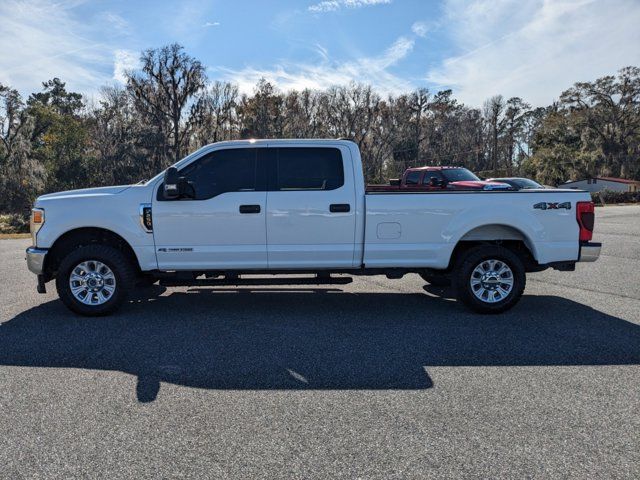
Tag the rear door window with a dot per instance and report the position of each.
(309, 169)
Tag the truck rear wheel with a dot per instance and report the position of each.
(94, 280)
(489, 279)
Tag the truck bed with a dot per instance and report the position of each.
(424, 230)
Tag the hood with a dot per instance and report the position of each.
(85, 192)
(478, 185)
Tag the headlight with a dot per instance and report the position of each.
(35, 223)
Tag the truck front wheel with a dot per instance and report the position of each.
(94, 280)
(489, 279)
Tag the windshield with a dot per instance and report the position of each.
(459, 175)
(521, 183)
(526, 183)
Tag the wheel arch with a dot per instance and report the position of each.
(80, 237)
(507, 236)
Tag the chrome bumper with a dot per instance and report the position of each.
(589, 252)
(35, 259)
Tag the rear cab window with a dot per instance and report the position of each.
(426, 180)
(308, 168)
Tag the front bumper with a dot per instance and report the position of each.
(589, 251)
(35, 259)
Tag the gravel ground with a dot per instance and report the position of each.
(376, 379)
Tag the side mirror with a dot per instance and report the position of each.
(434, 182)
(171, 183)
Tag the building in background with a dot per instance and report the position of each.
(599, 184)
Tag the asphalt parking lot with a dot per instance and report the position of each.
(375, 379)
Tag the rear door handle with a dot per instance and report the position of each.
(249, 208)
(339, 207)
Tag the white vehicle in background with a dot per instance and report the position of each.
(298, 207)
(518, 183)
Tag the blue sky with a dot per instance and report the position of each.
(534, 48)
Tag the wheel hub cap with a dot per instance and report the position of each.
(491, 281)
(92, 282)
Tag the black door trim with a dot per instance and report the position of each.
(249, 208)
(339, 208)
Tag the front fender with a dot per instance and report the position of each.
(118, 213)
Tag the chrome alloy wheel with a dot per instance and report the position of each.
(491, 281)
(92, 282)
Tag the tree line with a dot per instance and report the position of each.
(56, 139)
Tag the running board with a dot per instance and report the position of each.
(321, 280)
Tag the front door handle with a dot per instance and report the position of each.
(339, 207)
(249, 208)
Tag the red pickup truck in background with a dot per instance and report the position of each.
(438, 178)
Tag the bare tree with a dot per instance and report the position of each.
(608, 109)
(163, 90)
(216, 113)
(261, 115)
(21, 176)
(514, 121)
(301, 114)
(493, 111)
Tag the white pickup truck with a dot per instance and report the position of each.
(298, 206)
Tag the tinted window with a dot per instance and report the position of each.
(412, 178)
(525, 183)
(433, 173)
(309, 169)
(231, 170)
(459, 175)
(521, 183)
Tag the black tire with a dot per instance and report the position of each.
(475, 257)
(115, 260)
(436, 280)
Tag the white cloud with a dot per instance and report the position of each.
(42, 39)
(420, 29)
(535, 50)
(325, 73)
(333, 5)
(187, 23)
(124, 61)
(116, 22)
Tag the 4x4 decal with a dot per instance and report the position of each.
(552, 206)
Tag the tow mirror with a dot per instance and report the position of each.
(171, 183)
(176, 186)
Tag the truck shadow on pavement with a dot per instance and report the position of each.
(310, 338)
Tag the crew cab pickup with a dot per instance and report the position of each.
(298, 207)
(439, 178)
